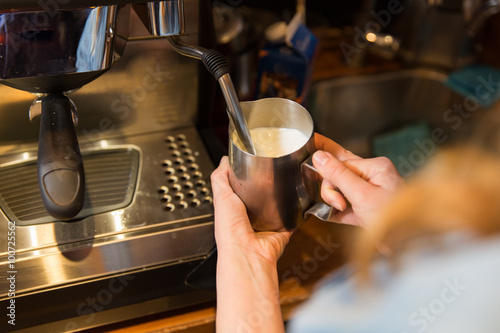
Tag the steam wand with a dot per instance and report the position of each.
(217, 65)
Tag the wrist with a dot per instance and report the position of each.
(247, 294)
(245, 259)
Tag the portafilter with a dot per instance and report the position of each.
(50, 54)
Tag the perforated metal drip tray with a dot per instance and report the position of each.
(184, 185)
(110, 181)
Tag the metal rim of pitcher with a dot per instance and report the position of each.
(247, 107)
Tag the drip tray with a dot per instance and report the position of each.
(110, 181)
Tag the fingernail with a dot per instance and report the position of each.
(321, 157)
(337, 206)
(224, 161)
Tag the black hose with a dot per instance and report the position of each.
(215, 63)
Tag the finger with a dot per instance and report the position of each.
(220, 180)
(323, 143)
(332, 197)
(352, 186)
(277, 240)
(346, 217)
(379, 171)
(223, 193)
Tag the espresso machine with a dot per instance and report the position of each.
(105, 202)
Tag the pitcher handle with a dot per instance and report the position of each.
(319, 209)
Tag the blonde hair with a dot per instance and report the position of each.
(459, 189)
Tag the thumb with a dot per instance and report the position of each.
(229, 209)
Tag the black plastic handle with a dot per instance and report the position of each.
(215, 63)
(60, 169)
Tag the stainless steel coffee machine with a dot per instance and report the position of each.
(107, 220)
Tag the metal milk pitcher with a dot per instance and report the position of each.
(279, 192)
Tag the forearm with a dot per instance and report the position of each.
(247, 294)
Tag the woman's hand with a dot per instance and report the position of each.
(247, 278)
(367, 184)
(232, 226)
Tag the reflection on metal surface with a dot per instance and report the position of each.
(118, 221)
(478, 13)
(87, 46)
(142, 233)
(351, 110)
(54, 266)
(143, 92)
(166, 17)
(111, 177)
(236, 114)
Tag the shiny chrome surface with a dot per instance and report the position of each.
(36, 109)
(228, 91)
(226, 85)
(53, 52)
(36, 44)
(146, 101)
(152, 88)
(274, 190)
(352, 110)
(17, 5)
(166, 17)
(143, 233)
(478, 12)
(55, 266)
(192, 51)
(235, 113)
(110, 184)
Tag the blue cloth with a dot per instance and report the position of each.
(478, 82)
(400, 144)
(454, 290)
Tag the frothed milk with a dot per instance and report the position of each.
(276, 141)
